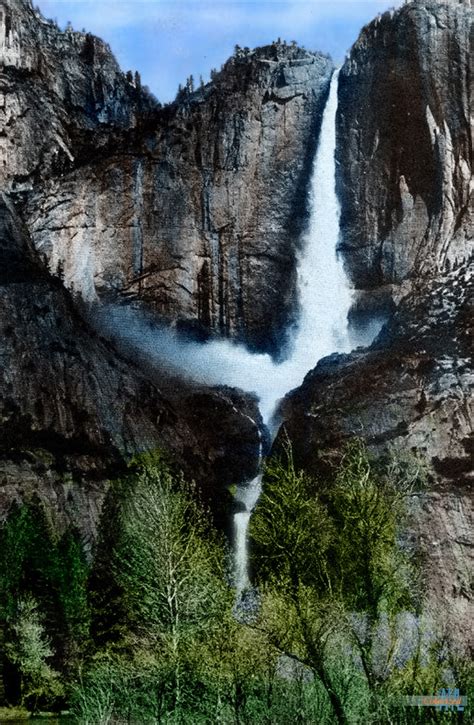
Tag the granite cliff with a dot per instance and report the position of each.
(72, 410)
(195, 209)
(405, 114)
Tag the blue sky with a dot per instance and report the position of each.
(168, 40)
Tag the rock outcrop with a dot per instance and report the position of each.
(405, 146)
(196, 209)
(72, 409)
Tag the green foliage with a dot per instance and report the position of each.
(291, 529)
(335, 576)
(371, 571)
(29, 649)
(167, 570)
(32, 561)
(71, 574)
(37, 567)
(168, 560)
(22, 555)
(339, 536)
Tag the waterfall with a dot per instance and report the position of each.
(325, 299)
(324, 291)
(247, 495)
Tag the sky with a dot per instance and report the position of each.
(168, 40)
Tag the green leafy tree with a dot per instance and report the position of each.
(29, 650)
(332, 568)
(373, 574)
(170, 565)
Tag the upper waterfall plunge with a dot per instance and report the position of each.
(324, 296)
(324, 292)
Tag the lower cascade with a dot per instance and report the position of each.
(325, 299)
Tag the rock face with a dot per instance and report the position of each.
(196, 209)
(59, 94)
(409, 389)
(71, 409)
(405, 146)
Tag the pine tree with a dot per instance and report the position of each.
(190, 84)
